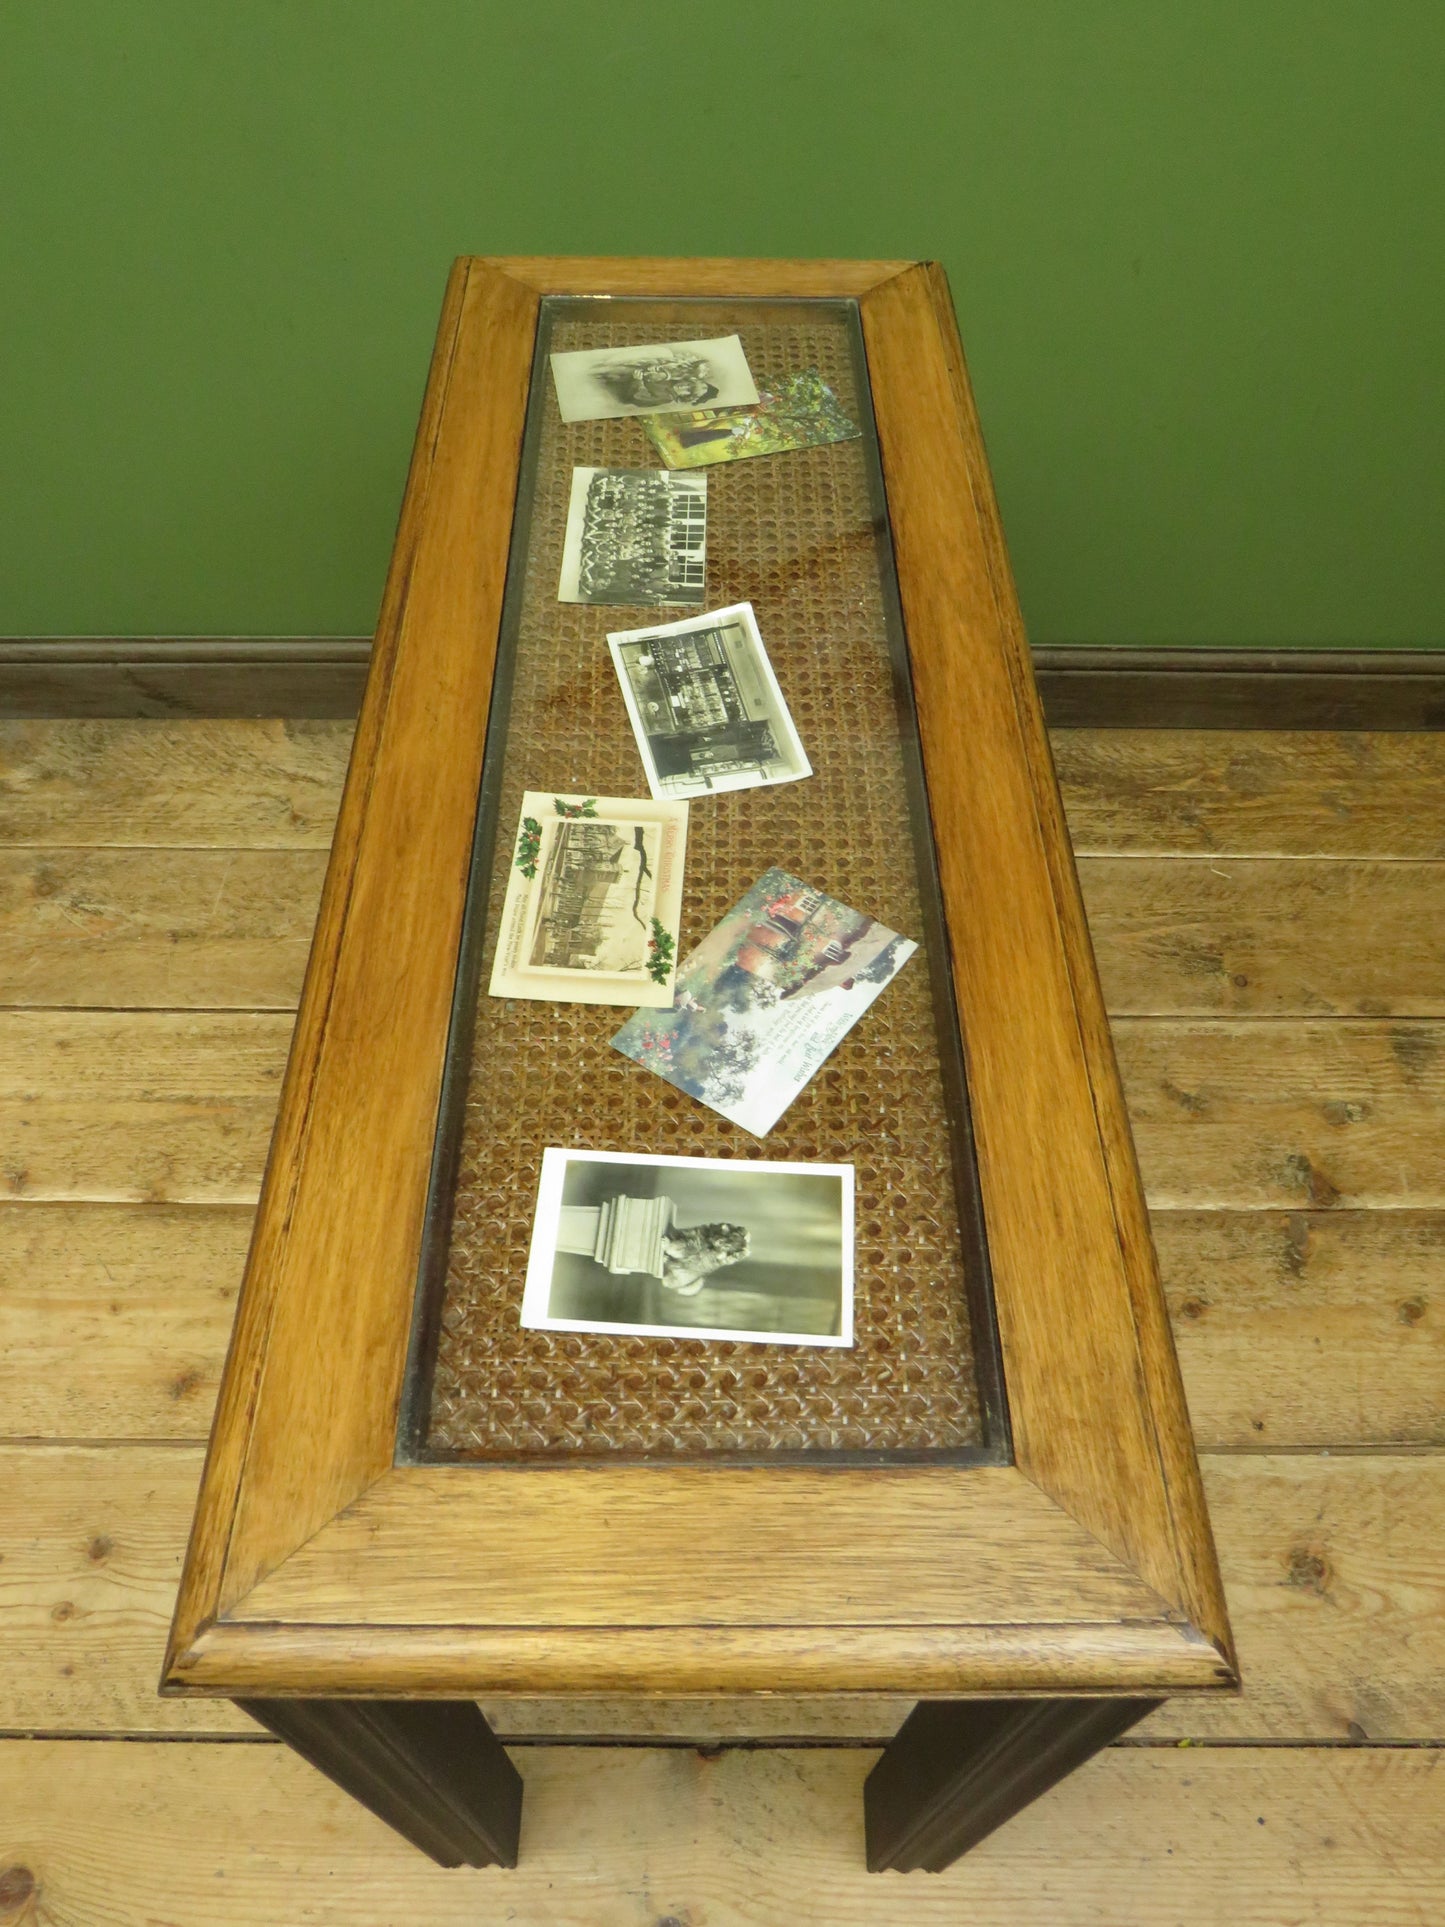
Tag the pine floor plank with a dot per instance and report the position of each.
(229, 929)
(91, 1542)
(1334, 1567)
(248, 1836)
(225, 783)
(277, 784)
(154, 1106)
(1294, 1328)
(1250, 1115)
(1308, 1328)
(114, 1319)
(157, 929)
(1237, 1115)
(1261, 937)
(1253, 792)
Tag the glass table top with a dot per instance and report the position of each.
(803, 537)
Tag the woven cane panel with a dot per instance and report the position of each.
(794, 535)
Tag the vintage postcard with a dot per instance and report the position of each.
(594, 897)
(635, 535)
(764, 998)
(801, 411)
(598, 384)
(667, 1247)
(705, 705)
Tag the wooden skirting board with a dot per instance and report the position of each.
(1117, 687)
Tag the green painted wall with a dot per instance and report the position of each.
(1196, 251)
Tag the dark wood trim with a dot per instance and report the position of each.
(1127, 688)
(1119, 687)
(432, 1769)
(291, 676)
(956, 1769)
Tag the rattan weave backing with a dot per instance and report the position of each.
(794, 534)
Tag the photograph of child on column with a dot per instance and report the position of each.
(628, 1242)
(695, 1247)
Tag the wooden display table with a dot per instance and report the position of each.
(989, 1502)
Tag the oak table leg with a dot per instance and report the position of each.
(956, 1769)
(433, 1769)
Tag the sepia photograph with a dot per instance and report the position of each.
(765, 998)
(705, 705)
(635, 535)
(594, 898)
(670, 1247)
(601, 384)
(800, 411)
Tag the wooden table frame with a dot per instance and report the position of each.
(359, 1607)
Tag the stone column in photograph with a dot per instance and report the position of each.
(624, 1234)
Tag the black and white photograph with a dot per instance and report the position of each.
(705, 705)
(594, 898)
(601, 384)
(669, 1247)
(635, 535)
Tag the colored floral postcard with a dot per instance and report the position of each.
(670, 1247)
(599, 384)
(800, 411)
(764, 998)
(594, 897)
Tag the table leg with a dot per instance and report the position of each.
(956, 1769)
(433, 1769)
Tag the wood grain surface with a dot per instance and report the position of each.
(1334, 1566)
(1267, 937)
(114, 1319)
(1182, 792)
(1172, 687)
(1143, 792)
(183, 676)
(140, 929)
(1067, 1234)
(1297, 1326)
(690, 276)
(1308, 1328)
(152, 1106)
(172, 785)
(1249, 1115)
(1294, 1328)
(172, 1106)
(221, 929)
(1303, 1320)
(271, 784)
(246, 1835)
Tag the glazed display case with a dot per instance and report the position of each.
(986, 1506)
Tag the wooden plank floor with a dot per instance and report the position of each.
(1269, 915)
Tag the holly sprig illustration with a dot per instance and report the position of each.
(661, 948)
(529, 847)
